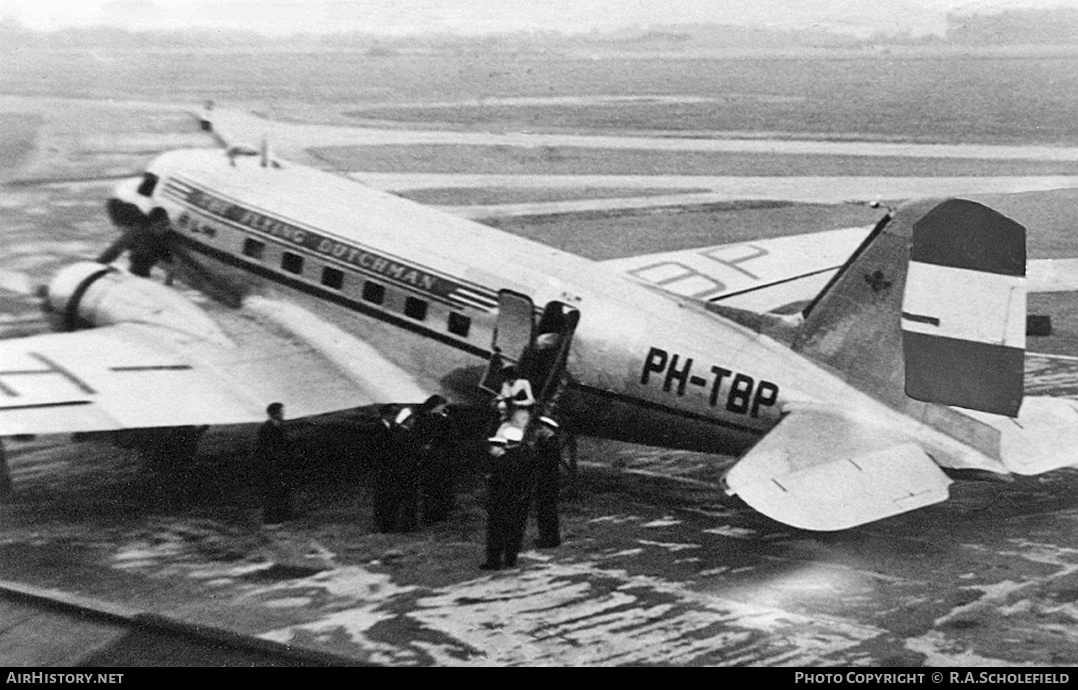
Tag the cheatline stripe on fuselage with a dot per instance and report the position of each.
(419, 329)
(328, 247)
(453, 291)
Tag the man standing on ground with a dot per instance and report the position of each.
(396, 474)
(508, 492)
(275, 458)
(547, 470)
(435, 442)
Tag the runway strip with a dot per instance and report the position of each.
(235, 125)
(823, 190)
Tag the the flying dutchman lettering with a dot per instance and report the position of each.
(736, 392)
(326, 246)
(377, 264)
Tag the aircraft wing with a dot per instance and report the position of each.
(759, 275)
(769, 275)
(137, 375)
(818, 470)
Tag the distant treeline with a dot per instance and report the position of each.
(1055, 26)
(687, 36)
(1058, 26)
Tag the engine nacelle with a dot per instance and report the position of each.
(90, 294)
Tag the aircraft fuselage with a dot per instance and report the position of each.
(421, 286)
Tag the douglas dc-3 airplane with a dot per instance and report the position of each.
(328, 295)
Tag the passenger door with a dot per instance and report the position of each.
(512, 335)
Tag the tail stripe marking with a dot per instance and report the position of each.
(963, 304)
(975, 238)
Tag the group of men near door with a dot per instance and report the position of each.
(414, 470)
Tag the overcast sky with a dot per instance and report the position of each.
(276, 17)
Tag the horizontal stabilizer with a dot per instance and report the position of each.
(820, 471)
(1052, 275)
(1042, 438)
(761, 275)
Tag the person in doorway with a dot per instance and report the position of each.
(516, 393)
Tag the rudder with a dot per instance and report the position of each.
(856, 324)
(964, 310)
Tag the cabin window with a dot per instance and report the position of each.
(374, 292)
(459, 324)
(148, 184)
(332, 278)
(293, 263)
(253, 248)
(415, 308)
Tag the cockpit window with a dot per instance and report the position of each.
(149, 182)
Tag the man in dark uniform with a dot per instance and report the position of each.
(145, 238)
(396, 488)
(434, 439)
(409, 454)
(546, 483)
(387, 459)
(150, 244)
(508, 494)
(276, 458)
(396, 475)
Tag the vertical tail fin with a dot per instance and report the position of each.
(958, 336)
